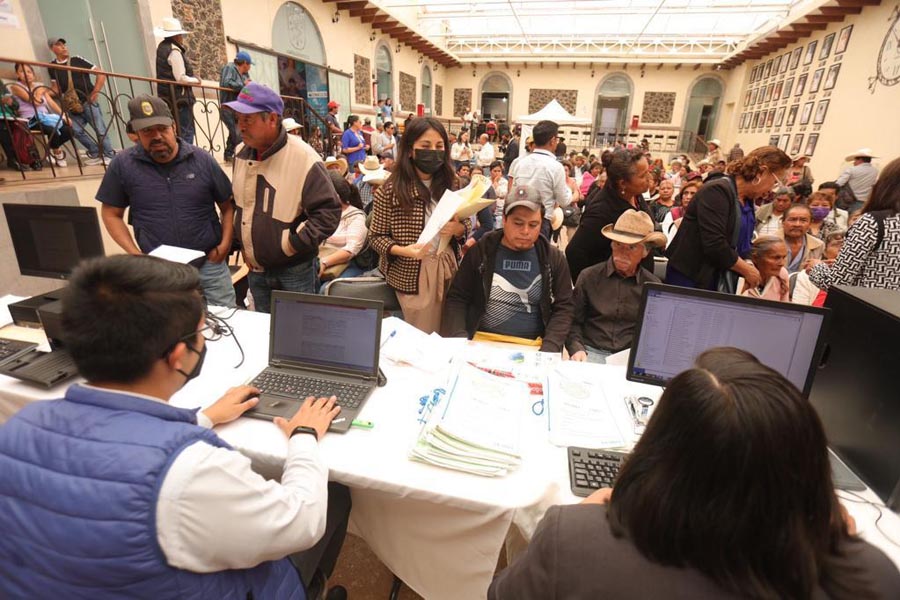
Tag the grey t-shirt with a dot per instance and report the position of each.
(514, 306)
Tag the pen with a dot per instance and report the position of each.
(362, 424)
(387, 339)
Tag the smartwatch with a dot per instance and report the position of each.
(304, 429)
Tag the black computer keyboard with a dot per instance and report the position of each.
(10, 348)
(590, 470)
(349, 395)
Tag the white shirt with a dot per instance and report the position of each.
(176, 61)
(860, 178)
(215, 513)
(541, 171)
(486, 155)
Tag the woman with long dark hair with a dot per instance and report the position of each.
(628, 177)
(728, 494)
(402, 206)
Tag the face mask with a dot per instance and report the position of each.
(196, 370)
(428, 161)
(820, 212)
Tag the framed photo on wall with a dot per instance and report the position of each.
(811, 144)
(821, 111)
(773, 140)
(768, 95)
(797, 145)
(807, 113)
(776, 66)
(795, 56)
(810, 52)
(770, 118)
(776, 95)
(753, 74)
(747, 98)
(785, 140)
(831, 78)
(816, 81)
(784, 63)
(779, 116)
(801, 85)
(827, 43)
(788, 87)
(754, 96)
(767, 70)
(756, 119)
(792, 115)
(843, 40)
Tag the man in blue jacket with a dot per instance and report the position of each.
(234, 76)
(110, 492)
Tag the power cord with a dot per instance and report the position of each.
(221, 327)
(860, 500)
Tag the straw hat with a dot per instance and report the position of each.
(634, 227)
(170, 27)
(370, 165)
(337, 164)
(557, 219)
(715, 141)
(861, 153)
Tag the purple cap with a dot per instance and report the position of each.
(254, 98)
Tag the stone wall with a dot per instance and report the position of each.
(407, 92)
(462, 101)
(538, 99)
(206, 42)
(658, 107)
(362, 79)
(438, 99)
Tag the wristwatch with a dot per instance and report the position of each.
(304, 429)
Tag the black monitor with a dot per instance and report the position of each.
(856, 393)
(49, 241)
(677, 324)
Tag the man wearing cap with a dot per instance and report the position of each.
(860, 177)
(172, 189)
(87, 92)
(286, 203)
(353, 144)
(331, 118)
(608, 295)
(527, 281)
(540, 170)
(172, 64)
(234, 76)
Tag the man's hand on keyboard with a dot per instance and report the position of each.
(601, 496)
(233, 404)
(317, 414)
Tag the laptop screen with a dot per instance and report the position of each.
(678, 324)
(326, 331)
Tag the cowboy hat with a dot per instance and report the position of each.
(634, 227)
(370, 165)
(556, 220)
(861, 153)
(376, 177)
(714, 141)
(290, 124)
(169, 28)
(797, 157)
(338, 164)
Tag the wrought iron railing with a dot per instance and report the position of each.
(210, 131)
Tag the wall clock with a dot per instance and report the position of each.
(887, 68)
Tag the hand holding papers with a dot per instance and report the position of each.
(455, 205)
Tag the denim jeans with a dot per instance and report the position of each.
(297, 278)
(596, 355)
(93, 117)
(186, 120)
(234, 136)
(215, 281)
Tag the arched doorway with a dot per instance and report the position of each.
(384, 64)
(496, 96)
(426, 89)
(614, 94)
(294, 32)
(702, 111)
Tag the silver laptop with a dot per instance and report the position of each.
(319, 346)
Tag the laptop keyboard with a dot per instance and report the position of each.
(590, 470)
(349, 395)
(10, 347)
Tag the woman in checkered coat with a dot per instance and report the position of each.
(402, 206)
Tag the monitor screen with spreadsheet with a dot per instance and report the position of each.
(677, 324)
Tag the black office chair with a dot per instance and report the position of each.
(368, 288)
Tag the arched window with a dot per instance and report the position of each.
(702, 110)
(383, 73)
(294, 32)
(614, 94)
(426, 89)
(496, 96)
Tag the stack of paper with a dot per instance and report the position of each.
(460, 204)
(579, 411)
(476, 427)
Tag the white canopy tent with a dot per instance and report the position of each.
(553, 112)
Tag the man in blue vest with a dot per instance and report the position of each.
(111, 492)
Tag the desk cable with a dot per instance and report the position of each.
(860, 500)
(222, 328)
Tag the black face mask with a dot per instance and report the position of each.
(196, 370)
(428, 161)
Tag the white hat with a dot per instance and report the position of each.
(170, 27)
(290, 124)
(376, 176)
(715, 141)
(861, 153)
(370, 165)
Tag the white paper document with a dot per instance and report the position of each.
(579, 411)
(175, 254)
(444, 211)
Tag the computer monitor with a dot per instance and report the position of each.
(677, 324)
(49, 241)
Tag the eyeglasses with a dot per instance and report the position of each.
(778, 181)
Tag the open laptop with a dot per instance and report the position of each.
(319, 346)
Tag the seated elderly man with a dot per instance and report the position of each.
(608, 295)
(529, 289)
(801, 245)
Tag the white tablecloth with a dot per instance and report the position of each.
(440, 531)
